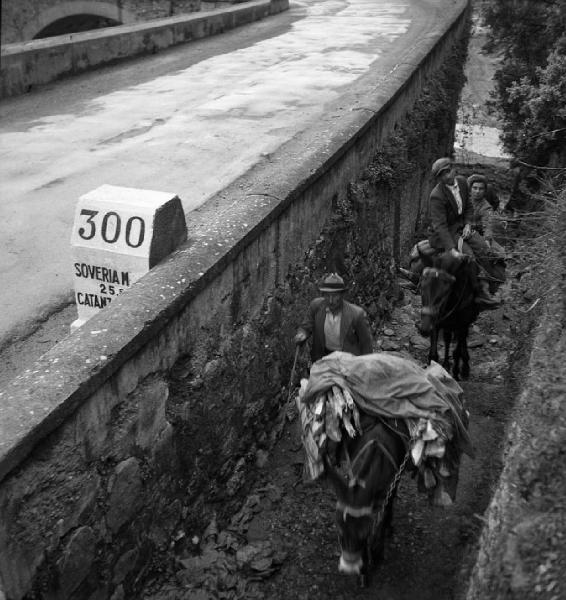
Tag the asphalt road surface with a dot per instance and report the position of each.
(189, 120)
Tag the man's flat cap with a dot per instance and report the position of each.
(332, 283)
(442, 164)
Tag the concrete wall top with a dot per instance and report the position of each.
(22, 20)
(156, 24)
(40, 399)
(31, 63)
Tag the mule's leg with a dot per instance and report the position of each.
(456, 365)
(364, 576)
(465, 353)
(378, 544)
(388, 517)
(447, 341)
(461, 355)
(433, 350)
(383, 531)
(457, 355)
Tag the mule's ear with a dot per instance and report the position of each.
(440, 260)
(339, 483)
(447, 262)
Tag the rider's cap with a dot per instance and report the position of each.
(440, 165)
(476, 178)
(332, 283)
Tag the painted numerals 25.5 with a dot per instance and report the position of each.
(110, 290)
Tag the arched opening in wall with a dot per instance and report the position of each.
(75, 24)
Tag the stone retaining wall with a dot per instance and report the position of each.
(522, 553)
(156, 410)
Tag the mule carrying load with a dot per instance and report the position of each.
(381, 412)
(346, 394)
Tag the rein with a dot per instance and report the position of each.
(456, 305)
(364, 511)
(351, 464)
(390, 490)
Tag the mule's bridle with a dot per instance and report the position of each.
(444, 275)
(365, 511)
(354, 511)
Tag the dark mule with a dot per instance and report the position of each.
(364, 507)
(447, 293)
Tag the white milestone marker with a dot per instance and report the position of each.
(118, 235)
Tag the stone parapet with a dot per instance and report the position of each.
(27, 65)
(25, 20)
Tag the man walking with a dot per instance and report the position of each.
(451, 214)
(334, 323)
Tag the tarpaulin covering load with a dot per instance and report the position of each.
(391, 386)
(383, 383)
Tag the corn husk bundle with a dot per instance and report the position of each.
(434, 453)
(332, 415)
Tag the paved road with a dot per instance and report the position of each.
(188, 121)
(478, 130)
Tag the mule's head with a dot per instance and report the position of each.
(354, 510)
(436, 285)
(354, 526)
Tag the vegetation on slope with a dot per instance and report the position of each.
(530, 84)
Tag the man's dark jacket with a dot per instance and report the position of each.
(355, 332)
(446, 223)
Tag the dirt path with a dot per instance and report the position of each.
(431, 554)
(428, 557)
(477, 134)
(480, 69)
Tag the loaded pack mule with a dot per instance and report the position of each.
(364, 509)
(363, 421)
(448, 304)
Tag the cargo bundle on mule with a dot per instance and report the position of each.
(346, 394)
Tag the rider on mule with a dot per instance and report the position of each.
(451, 214)
(488, 223)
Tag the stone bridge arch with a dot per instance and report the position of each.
(65, 10)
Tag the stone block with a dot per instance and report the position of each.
(163, 452)
(125, 565)
(125, 490)
(118, 235)
(76, 561)
(151, 421)
(118, 593)
(84, 507)
(162, 529)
